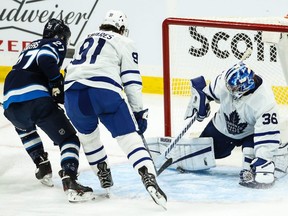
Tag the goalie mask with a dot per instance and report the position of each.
(57, 29)
(239, 80)
(117, 19)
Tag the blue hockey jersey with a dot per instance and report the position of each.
(37, 65)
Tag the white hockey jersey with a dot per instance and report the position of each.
(255, 113)
(108, 60)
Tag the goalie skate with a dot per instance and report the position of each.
(75, 191)
(152, 187)
(256, 185)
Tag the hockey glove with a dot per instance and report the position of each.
(246, 177)
(141, 118)
(260, 176)
(198, 102)
(57, 89)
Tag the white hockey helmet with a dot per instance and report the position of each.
(117, 19)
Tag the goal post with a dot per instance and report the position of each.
(194, 47)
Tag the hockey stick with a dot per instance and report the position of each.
(164, 156)
(246, 54)
(146, 146)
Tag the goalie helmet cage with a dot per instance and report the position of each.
(194, 47)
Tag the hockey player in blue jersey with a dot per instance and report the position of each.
(104, 64)
(32, 91)
(247, 117)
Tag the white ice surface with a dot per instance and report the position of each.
(215, 192)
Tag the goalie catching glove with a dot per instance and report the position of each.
(198, 102)
(57, 89)
(260, 176)
(141, 118)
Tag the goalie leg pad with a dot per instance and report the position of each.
(190, 154)
(281, 161)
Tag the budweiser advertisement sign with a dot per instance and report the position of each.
(30, 16)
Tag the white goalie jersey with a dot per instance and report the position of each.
(108, 60)
(255, 113)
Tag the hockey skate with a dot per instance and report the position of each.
(105, 177)
(75, 191)
(152, 187)
(44, 171)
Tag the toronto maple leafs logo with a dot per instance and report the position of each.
(233, 124)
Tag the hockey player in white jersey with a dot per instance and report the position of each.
(104, 64)
(247, 117)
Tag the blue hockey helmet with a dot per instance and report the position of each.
(239, 80)
(55, 28)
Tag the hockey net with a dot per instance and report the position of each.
(195, 47)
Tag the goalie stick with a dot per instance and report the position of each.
(164, 155)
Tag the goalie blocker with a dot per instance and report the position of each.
(190, 154)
